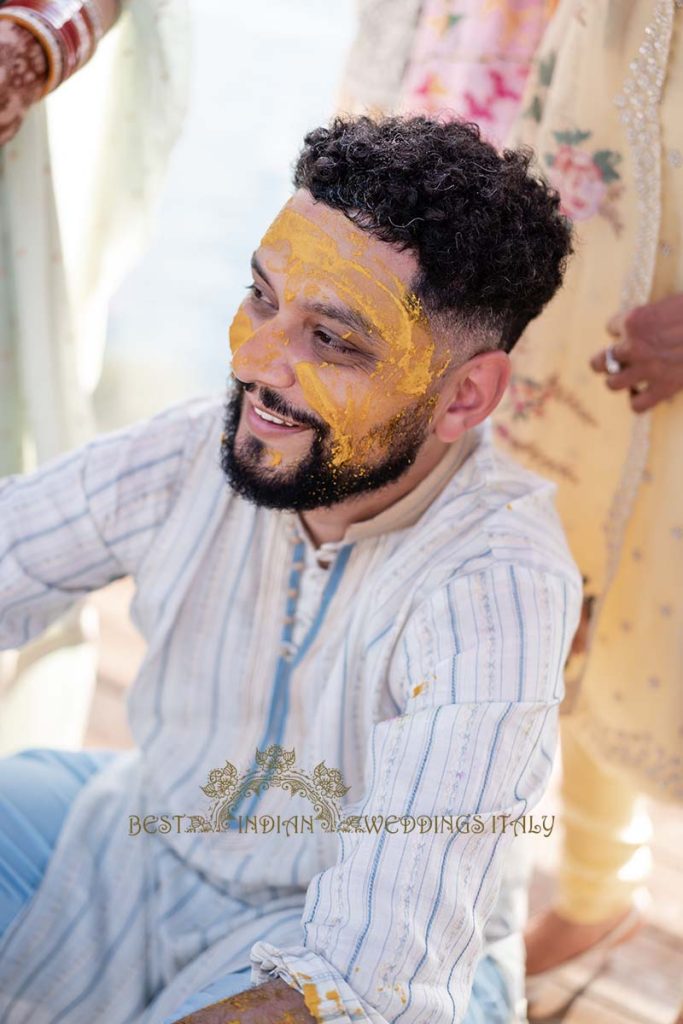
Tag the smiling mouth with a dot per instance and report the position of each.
(270, 417)
(265, 416)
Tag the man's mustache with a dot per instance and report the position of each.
(272, 402)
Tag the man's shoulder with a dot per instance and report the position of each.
(492, 509)
(174, 449)
(186, 431)
(191, 418)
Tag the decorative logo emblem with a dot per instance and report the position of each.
(275, 768)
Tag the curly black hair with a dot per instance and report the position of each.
(489, 238)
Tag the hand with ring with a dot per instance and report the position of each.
(647, 358)
(612, 364)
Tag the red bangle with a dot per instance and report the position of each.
(91, 12)
(93, 26)
(44, 34)
(53, 11)
(72, 28)
(71, 42)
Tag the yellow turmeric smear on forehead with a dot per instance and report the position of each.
(314, 262)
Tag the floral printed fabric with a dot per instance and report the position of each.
(602, 111)
(473, 58)
(587, 178)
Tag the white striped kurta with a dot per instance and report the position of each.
(425, 663)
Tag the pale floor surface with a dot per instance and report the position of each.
(643, 981)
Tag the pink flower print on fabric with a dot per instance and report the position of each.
(493, 98)
(579, 181)
(472, 59)
(588, 181)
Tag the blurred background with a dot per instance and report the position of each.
(261, 75)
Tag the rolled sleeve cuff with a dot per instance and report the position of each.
(328, 996)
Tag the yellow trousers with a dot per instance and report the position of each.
(606, 857)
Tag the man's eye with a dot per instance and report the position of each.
(329, 341)
(258, 294)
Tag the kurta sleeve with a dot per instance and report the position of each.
(85, 519)
(393, 931)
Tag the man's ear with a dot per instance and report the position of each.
(473, 392)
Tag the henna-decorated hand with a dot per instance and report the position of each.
(275, 1002)
(23, 73)
(650, 350)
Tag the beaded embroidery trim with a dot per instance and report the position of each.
(638, 105)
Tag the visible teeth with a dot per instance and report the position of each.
(270, 418)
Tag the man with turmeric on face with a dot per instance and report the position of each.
(344, 358)
(369, 622)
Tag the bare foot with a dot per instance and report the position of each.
(551, 940)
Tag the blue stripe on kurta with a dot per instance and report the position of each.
(108, 953)
(199, 538)
(75, 920)
(131, 471)
(380, 846)
(277, 716)
(218, 677)
(45, 532)
(520, 623)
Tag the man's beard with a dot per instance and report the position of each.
(315, 481)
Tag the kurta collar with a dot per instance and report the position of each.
(408, 509)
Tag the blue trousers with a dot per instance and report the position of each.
(36, 791)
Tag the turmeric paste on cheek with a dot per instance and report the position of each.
(344, 418)
(241, 330)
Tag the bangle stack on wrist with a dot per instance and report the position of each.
(68, 30)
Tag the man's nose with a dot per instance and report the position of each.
(265, 358)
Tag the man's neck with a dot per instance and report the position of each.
(330, 524)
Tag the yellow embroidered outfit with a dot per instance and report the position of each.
(602, 111)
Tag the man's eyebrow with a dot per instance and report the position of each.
(351, 318)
